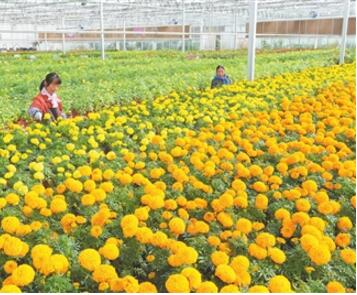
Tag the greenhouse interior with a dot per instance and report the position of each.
(151, 25)
(178, 146)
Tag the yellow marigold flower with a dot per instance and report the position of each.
(335, 287)
(302, 205)
(170, 204)
(147, 287)
(240, 263)
(225, 273)
(99, 194)
(108, 174)
(59, 263)
(10, 289)
(7, 138)
(243, 279)
(129, 225)
(10, 224)
(265, 240)
(107, 186)
(96, 231)
(219, 257)
(177, 226)
(207, 287)
(116, 285)
(214, 241)
(2, 203)
(309, 269)
(111, 156)
(40, 253)
(177, 283)
(12, 199)
(310, 229)
(109, 251)
(143, 235)
(225, 219)
(15, 247)
(329, 243)
(229, 289)
(73, 185)
(321, 197)
(348, 256)
(344, 224)
(300, 218)
(103, 286)
(238, 185)
(260, 187)
(244, 225)
(193, 276)
(10, 266)
(61, 188)
(320, 255)
(104, 273)
(257, 251)
(353, 201)
(142, 213)
(87, 200)
(255, 170)
(89, 259)
(277, 255)
(279, 284)
(308, 241)
(23, 275)
(325, 208)
(258, 289)
(310, 186)
(261, 202)
(130, 284)
(58, 205)
(89, 185)
(281, 214)
(150, 258)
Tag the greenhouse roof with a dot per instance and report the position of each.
(85, 14)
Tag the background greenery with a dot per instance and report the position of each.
(90, 83)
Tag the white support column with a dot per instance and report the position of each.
(63, 38)
(211, 40)
(36, 38)
(183, 25)
(253, 4)
(316, 42)
(202, 36)
(102, 29)
(235, 30)
(124, 37)
(346, 15)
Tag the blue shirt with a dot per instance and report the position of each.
(219, 81)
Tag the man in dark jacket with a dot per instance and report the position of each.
(221, 78)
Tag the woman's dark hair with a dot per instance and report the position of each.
(49, 79)
(219, 67)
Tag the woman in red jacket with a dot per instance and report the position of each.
(47, 101)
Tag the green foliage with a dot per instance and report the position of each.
(297, 260)
(86, 85)
(58, 284)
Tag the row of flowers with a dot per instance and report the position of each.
(245, 188)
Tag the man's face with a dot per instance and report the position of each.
(220, 72)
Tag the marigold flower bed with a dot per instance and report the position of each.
(248, 188)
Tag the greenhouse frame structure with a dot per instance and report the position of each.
(176, 19)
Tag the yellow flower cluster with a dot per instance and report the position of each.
(244, 188)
